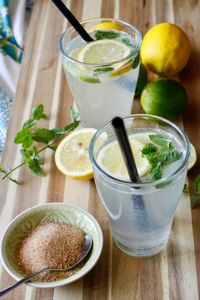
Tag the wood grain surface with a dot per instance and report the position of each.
(174, 273)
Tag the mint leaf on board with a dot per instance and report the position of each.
(33, 160)
(28, 135)
(43, 135)
(197, 185)
(101, 35)
(38, 112)
(73, 115)
(24, 137)
(29, 123)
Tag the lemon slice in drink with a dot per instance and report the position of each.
(72, 156)
(103, 51)
(111, 161)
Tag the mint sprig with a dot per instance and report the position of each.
(29, 137)
(159, 154)
(195, 197)
(101, 34)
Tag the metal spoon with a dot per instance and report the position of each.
(86, 249)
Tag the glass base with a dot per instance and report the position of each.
(141, 252)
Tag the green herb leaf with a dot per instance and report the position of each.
(2, 170)
(38, 112)
(29, 123)
(136, 62)
(194, 201)
(158, 157)
(197, 185)
(53, 147)
(163, 184)
(27, 136)
(73, 114)
(103, 69)
(71, 126)
(149, 149)
(43, 135)
(58, 132)
(33, 160)
(156, 172)
(100, 35)
(24, 137)
(160, 139)
(127, 42)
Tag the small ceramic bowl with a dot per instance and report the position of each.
(30, 218)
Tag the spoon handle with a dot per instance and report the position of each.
(23, 280)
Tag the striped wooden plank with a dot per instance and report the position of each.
(172, 274)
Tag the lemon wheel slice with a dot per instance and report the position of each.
(193, 157)
(103, 51)
(72, 156)
(111, 161)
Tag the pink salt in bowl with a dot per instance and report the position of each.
(25, 222)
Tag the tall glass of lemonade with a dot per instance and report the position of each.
(102, 74)
(141, 214)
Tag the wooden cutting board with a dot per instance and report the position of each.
(174, 273)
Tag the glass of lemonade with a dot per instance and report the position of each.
(102, 74)
(141, 214)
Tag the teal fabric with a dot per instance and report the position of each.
(8, 43)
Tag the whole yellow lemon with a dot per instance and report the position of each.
(165, 49)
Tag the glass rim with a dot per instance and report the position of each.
(127, 25)
(121, 182)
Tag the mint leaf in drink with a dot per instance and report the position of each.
(101, 35)
(136, 62)
(103, 70)
(127, 42)
(160, 139)
(149, 149)
(159, 154)
(156, 172)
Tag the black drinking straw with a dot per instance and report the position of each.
(73, 21)
(124, 144)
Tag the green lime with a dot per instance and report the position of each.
(193, 157)
(164, 97)
(142, 80)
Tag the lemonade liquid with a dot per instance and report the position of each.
(141, 218)
(101, 95)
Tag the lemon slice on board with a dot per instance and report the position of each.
(103, 51)
(110, 158)
(192, 157)
(72, 156)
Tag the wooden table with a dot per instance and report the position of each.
(172, 274)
